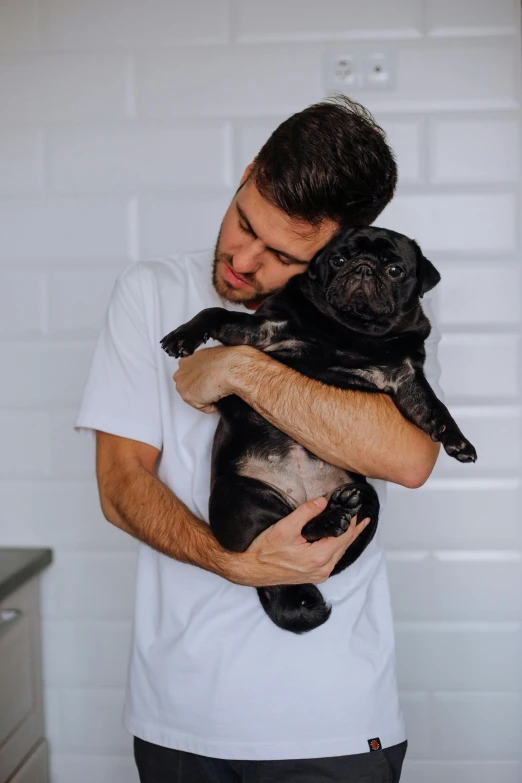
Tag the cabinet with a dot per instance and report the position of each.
(23, 749)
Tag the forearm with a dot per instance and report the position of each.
(140, 504)
(358, 431)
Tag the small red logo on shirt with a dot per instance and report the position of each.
(375, 744)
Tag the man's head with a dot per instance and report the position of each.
(326, 168)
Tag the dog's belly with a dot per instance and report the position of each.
(297, 474)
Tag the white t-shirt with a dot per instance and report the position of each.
(209, 672)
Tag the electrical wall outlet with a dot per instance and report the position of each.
(346, 70)
(379, 71)
(360, 69)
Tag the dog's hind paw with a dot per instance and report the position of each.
(347, 497)
(345, 503)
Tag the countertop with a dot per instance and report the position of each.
(18, 565)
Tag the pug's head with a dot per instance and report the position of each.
(369, 278)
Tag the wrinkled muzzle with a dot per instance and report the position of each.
(362, 292)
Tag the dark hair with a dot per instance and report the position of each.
(330, 160)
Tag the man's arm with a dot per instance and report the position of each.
(355, 430)
(134, 499)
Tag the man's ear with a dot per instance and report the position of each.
(427, 275)
(247, 172)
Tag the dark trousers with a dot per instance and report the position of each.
(163, 765)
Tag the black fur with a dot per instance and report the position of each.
(353, 320)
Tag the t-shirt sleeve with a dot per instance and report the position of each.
(432, 369)
(121, 395)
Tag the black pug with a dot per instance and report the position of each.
(353, 320)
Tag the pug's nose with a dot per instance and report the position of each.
(364, 270)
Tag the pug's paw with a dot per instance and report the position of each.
(183, 341)
(460, 448)
(347, 498)
(454, 442)
(330, 524)
(344, 504)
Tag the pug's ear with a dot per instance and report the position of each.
(313, 266)
(427, 275)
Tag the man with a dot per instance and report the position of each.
(216, 691)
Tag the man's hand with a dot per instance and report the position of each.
(280, 555)
(205, 377)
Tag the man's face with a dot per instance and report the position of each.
(262, 245)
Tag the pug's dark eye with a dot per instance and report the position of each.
(395, 271)
(339, 261)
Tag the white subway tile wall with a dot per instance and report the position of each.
(454, 513)
(495, 431)
(22, 303)
(127, 158)
(83, 653)
(446, 222)
(125, 127)
(75, 230)
(463, 290)
(103, 769)
(464, 150)
(472, 17)
(76, 24)
(179, 222)
(93, 722)
(77, 299)
(19, 26)
(21, 161)
(480, 366)
(63, 87)
(459, 771)
(332, 19)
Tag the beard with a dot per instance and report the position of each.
(225, 290)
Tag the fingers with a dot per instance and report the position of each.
(211, 408)
(304, 513)
(342, 542)
(354, 530)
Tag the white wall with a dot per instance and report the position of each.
(124, 126)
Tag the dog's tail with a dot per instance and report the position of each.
(296, 608)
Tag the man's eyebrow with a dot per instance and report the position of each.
(272, 249)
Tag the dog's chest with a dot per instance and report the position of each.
(296, 473)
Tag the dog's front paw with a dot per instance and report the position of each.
(183, 341)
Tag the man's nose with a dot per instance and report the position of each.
(246, 259)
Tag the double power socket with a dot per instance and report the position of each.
(374, 69)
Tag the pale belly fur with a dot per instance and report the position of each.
(296, 474)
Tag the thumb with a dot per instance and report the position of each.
(307, 511)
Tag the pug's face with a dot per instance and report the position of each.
(369, 278)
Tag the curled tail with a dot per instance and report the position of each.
(296, 608)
